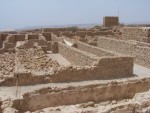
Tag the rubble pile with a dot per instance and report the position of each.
(7, 65)
(35, 60)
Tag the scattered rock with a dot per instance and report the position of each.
(89, 104)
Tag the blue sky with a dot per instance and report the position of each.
(24, 13)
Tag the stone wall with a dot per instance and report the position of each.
(69, 95)
(110, 21)
(31, 42)
(54, 29)
(3, 36)
(141, 53)
(76, 56)
(1, 42)
(19, 37)
(111, 65)
(10, 39)
(106, 68)
(7, 46)
(136, 33)
(82, 34)
(94, 50)
(47, 36)
(33, 36)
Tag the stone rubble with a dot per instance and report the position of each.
(35, 60)
(7, 65)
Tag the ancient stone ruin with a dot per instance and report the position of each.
(110, 21)
(104, 69)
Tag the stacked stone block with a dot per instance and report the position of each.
(140, 52)
(33, 36)
(110, 21)
(136, 33)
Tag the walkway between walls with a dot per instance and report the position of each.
(141, 71)
(59, 58)
(14, 92)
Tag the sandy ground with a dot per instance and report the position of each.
(59, 58)
(141, 71)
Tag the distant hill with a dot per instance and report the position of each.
(59, 26)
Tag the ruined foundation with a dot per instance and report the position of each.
(97, 70)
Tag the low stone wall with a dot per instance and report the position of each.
(94, 50)
(7, 45)
(101, 68)
(10, 39)
(47, 36)
(106, 68)
(54, 29)
(140, 53)
(136, 33)
(51, 97)
(33, 36)
(76, 56)
(31, 42)
(112, 65)
(19, 37)
(3, 36)
(82, 34)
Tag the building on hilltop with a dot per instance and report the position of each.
(110, 21)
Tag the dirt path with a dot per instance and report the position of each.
(141, 71)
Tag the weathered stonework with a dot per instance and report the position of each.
(58, 68)
(72, 95)
(110, 21)
(33, 36)
(141, 53)
(136, 33)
